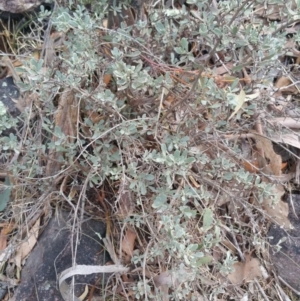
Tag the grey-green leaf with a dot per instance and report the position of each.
(207, 218)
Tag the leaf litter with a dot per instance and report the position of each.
(231, 196)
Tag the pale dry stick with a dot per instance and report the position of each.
(153, 5)
(88, 270)
(295, 51)
(124, 179)
(36, 290)
(258, 126)
(7, 62)
(128, 37)
(222, 63)
(285, 177)
(201, 68)
(188, 182)
(29, 222)
(70, 203)
(228, 230)
(106, 132)
(290, 287)
(281, 293)
(151, 227)
(149, 274)
(120, 244)
(17, 152)
(285, 87)
(159, 111)
(24, 132)
(172, 109)
(63, 195)
(239, 10)
(288, 187)
(46, 40)
(261, 290)
(48, 43)
(234, 137)
(259, 130)
(297, 173)
(86, 95)
(287, 74)
(252, 135)
(196, 80)
(211, 183)
(257, 10)
(286, 121)
(35, 215)
(242, 37)
(80, 197)
(74, 252)
(278, 179)
(231, 232)
(164, 67)
(88, 145)
(173, 200)
(284, 25)
(110, 249)
(144, 271)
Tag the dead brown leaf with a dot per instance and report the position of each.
(26, 246)
(7, 228)
(283, 84)
(170, 100)
(224, 69)
(277, 212)
(290, 122)
(164, 278)
(124, 203)
(114, 20)
(107, 79)
(247, 78)
(251, 166)
(3, 241)
(265, 148)
(280, 211)
(128, 243)
(66, 119)
(290, 139)
(245, 271)
(94, 116)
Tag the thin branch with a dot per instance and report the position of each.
(283, 26)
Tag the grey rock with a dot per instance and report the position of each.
(287, 258)
(19, 6)
(9, 96)
(9, 91)
(53, 254)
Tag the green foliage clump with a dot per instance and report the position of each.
(158, 150)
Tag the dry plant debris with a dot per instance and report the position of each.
(245, 271)
(175, 122)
